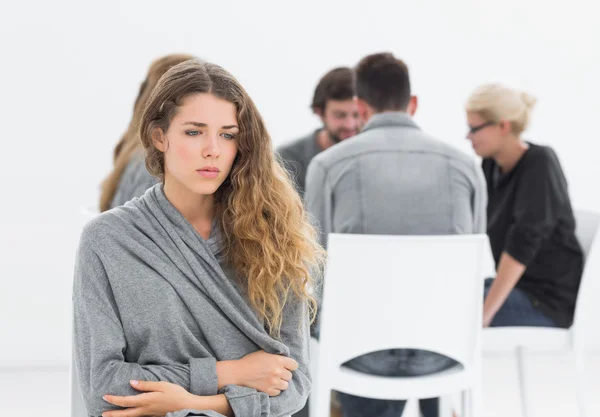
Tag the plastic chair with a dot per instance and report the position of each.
(385, 292)
(520, 339)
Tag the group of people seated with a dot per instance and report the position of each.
(194, 288)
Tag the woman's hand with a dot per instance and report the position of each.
(158, 399)
(488, 316)
(509, 273)
(266, 372)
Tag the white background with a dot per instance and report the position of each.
(70, 72)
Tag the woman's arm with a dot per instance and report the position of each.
(262, 371)
(540, 195)
(99, 342)
(295, 335)
(509, 272)
(161, 398)
(216, 403)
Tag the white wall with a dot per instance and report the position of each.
(70, 72)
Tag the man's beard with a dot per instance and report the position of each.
(335, 138)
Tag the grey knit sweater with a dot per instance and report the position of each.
(134, 182)
(152, 302)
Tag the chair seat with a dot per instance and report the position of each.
(503, 339)
(396, 388)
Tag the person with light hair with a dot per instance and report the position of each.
(530, 220)
(129, 177)
(198, 294)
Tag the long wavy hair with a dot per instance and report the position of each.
(130, 143)
(269, 239)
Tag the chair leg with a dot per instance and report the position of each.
(477, 393)
(464, 404)
(580, 381)
(476, 403)
(523, 387)
(320, 404)
(411, 409)
(445, 406)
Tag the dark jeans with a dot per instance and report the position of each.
(353, 406)
(518, 310)
(395, 362)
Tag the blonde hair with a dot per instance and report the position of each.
(130, 143)
(497, 102)
(269, 239)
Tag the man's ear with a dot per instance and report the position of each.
(412, 105)
(319, 112)
(364, 110)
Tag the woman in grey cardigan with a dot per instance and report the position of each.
(129, 177)
(195, 298)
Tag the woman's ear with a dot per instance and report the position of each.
(159, 139)
(505, 127)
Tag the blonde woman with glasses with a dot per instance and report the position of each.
(530, 220)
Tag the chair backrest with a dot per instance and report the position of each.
(77, 405)
(587, 231)
(384, 292)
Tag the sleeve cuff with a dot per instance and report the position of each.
(194, 413)
(246, 402)
(522, 253)
(521, 257)
(203, 376)
(523, 244)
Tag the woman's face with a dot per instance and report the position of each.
(200, 144)
(486, 137)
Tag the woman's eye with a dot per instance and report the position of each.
(192, 132)
(228, 136)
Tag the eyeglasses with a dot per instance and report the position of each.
(475, 129)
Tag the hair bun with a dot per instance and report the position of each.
(528, 99)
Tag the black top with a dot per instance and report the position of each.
(530, 217)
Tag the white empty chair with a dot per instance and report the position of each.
(519, 339)
(385, 292)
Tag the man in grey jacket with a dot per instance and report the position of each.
(333, 102)
(392, 178)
